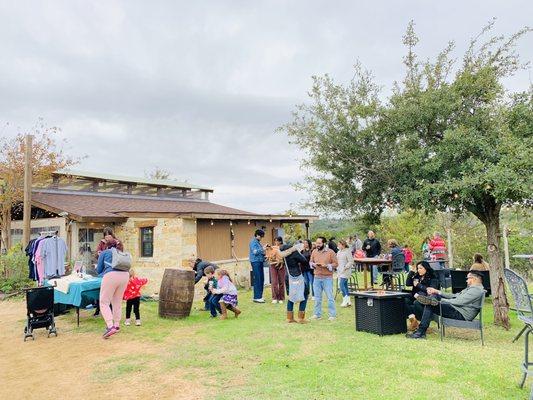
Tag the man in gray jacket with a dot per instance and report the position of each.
(463, 306)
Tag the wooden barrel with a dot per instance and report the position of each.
(176, 293)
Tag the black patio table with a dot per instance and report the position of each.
(380, 312)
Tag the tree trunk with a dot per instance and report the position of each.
(5, 222)
(499, 298)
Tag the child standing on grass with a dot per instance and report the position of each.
(212, 299)
(132, 295)
(228, 290)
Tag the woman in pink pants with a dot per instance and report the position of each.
(114, 283)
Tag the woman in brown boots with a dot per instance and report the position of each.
(297, 286)
(229, 293)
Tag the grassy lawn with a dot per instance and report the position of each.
(260, 356)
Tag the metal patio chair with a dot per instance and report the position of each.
(476, 323)
(524, 309)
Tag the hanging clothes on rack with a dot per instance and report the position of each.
(47, 256)
(53, 253)
(29, 252)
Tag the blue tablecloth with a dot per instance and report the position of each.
(76, 290)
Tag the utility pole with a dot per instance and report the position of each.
(449, 237)
(506, 246)
(26, 233)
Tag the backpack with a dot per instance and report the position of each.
(121, 260)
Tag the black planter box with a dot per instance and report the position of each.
(382, 313)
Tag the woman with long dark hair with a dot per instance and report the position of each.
(420, 278)
(307, 271)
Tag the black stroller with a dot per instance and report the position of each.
(40, 311)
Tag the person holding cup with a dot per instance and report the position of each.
(420, 277)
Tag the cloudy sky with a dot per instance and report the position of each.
(199, 88)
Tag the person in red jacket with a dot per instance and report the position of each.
(132, 295)
(437, 246)
(109, 241)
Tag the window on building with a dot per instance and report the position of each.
(147, 242)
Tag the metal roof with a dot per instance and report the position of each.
(129, 179)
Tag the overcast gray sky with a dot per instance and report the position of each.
(198, 88)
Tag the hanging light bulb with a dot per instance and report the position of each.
(230, 223)
(248, 222)
(212, 223)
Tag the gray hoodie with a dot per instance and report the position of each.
(467, 302)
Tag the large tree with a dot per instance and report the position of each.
(449, 139)
(47, 157)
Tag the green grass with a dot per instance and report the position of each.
(259, 356)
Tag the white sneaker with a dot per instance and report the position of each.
(345, 301)
(315, 317)
(127, 322)
(138, 322)
(274, 301)
(280, 301)
(332, 318)
(259, 300)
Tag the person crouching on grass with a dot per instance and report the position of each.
(132, 295)
(227, 289)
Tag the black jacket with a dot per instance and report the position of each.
(305, 265)
(333, 246)
(294, 261)
(199, 267)
(375, 247)
(423, 283)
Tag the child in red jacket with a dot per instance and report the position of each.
(132, 295)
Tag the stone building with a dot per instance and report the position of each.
(162, 223)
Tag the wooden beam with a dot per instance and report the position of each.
(26, 232)
(145, 224)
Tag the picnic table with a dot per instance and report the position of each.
(366, 262)
(80, 294)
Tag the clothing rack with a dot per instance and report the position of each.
(48, 233)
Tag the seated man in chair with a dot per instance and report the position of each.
(463, 306)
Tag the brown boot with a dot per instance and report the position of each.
(235, 310)
(290, 317)
(224, 311)
(413, 324)
(301, 317)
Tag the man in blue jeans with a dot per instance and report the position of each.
(257, 258)
(323, 261)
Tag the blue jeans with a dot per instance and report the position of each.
(375, 274)
(447, 312)
(309, 278)
(259, 279)
(343, 284)
(214, 304)
(326, 285)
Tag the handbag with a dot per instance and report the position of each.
(296, 286)
(121, 260)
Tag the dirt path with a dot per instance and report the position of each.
(83, 366)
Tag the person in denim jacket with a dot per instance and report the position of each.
(257, 258)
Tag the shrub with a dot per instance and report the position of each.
(14, 270)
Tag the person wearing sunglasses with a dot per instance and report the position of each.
(462, 306)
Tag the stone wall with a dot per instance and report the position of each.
(174, 245)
